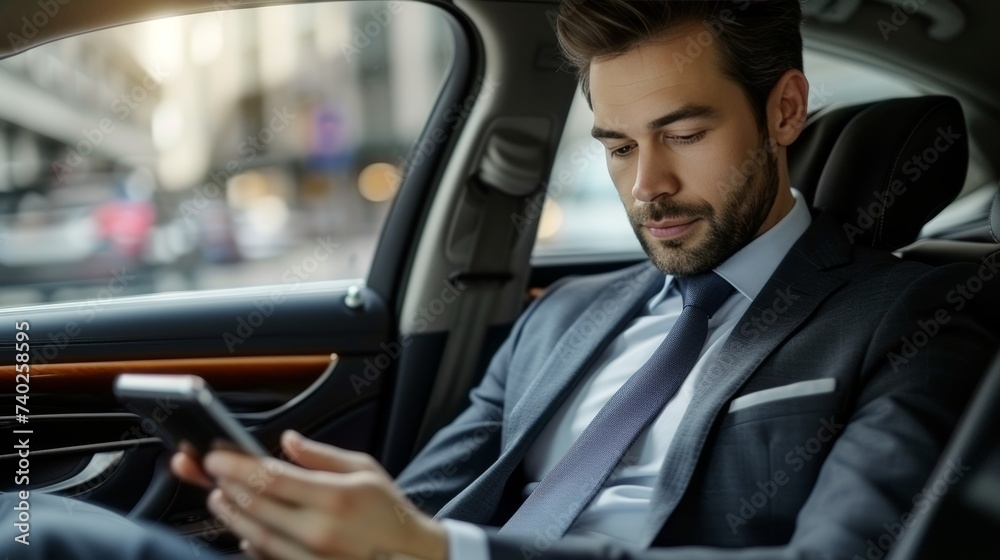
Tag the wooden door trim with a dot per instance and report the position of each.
(222, 373)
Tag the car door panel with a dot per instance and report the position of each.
(273, 383)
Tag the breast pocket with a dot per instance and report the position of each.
(803, 397)
(783, 434)
(769, 449)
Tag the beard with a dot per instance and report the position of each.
(730, 228)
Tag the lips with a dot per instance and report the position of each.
(671, 229)
(664, 224)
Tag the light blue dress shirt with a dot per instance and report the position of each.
(619, 510)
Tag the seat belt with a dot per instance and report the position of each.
(510, 171)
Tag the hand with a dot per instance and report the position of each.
(186, 466)
(332, 503)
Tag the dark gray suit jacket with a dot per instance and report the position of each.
(834, 474)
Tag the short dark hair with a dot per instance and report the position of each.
(760, 39)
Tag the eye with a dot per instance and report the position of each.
(690, 139)
(621, 152)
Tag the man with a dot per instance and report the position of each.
(736, 397)
(816, 475)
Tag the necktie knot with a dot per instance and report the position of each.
(706, 291)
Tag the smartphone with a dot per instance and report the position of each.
(185, 413)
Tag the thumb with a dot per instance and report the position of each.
(318, 456)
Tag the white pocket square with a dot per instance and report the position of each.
(800, 389)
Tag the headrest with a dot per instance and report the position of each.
(894, 166)
(807, 156)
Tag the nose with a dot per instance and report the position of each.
(654, 177)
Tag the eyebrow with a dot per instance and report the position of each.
(684, 113)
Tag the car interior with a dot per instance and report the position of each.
(488, 151)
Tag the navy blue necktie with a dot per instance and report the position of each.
(573, 482)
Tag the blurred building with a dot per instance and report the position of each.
(215, 139)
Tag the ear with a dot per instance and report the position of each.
(788, 107)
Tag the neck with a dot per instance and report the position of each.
(783, 204)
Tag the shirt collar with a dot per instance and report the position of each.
(752, 266)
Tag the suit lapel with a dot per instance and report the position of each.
(800, 278)
(576, 350)
(569, 360)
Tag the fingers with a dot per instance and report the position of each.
(262, 541)
(186, 467)
(280, 517)
(276, 479)
(286, 511)
(320, 456)
(301, 450)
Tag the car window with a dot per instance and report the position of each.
(584, 219)
(230, 149)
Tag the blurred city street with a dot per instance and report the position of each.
(210, 151)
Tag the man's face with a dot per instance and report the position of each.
(696, 175)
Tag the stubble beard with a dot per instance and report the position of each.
(744, 210)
